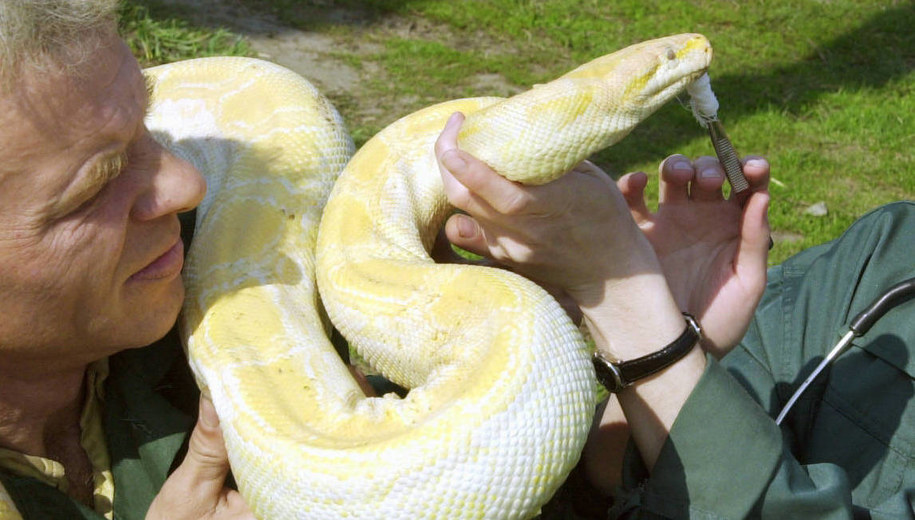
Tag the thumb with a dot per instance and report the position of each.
(753, 251)
(465, 232)
(206, 462)
(632, 186)
(196, 489)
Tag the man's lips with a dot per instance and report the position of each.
(167, 265)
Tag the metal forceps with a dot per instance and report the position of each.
(895, 295)
(727, 155)
(728, 158)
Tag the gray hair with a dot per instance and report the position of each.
(37, 33)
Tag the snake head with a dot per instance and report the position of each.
(644, 76)
(540, 134)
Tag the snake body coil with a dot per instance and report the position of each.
(501, 388)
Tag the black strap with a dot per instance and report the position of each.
(617, 376)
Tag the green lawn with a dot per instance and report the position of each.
(824, 88)
(157, 34)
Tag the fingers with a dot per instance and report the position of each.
(471, 184)
(207, 461)
(682, 180)
(675, 174)
(464, 232)
(632, 186)
(708, 180)
(206, 464)
(702, 179)
(756, 170)
(197, 489)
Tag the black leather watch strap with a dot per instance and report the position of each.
(617, 376)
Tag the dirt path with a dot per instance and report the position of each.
(313, 55)
(341, 59)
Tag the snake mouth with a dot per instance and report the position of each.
(669, 91)
(675, 66)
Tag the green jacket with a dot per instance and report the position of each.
(150, 407)
(847, 449)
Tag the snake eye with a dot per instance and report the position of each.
(671, 55)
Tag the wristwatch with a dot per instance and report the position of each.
(617, 376)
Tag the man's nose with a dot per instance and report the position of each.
(176, 186)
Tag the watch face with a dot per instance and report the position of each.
(608, 374)
(616, 377)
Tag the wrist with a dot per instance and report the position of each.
(633, 317)
(616, 376)
(629, 262)
(652, 405)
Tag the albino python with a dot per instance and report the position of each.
(501, 386)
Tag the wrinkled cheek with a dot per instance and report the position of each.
(54, 287)
(39, 307)
(80, 277)
(86, 300)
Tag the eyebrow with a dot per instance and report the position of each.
(92, 183)
(107, 169)
(112, 165)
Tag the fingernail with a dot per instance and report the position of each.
(455, 119)
(208, 413)
(466, 228)
(756, 163)
(682, 166)
(709, 173)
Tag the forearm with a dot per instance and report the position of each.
(633, 317)
(723, 440)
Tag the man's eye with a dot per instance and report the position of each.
(101, 177)
(88, 200)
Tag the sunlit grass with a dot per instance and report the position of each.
(157, 35)
(824, 89)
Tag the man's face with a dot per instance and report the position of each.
(90, 254)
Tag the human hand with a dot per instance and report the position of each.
(713, 250)
(574, 233)
(443, 253)
(577, 233)
(196, 490)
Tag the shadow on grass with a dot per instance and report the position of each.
(315, 14)
(880, 50)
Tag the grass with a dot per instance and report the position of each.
(823, 88)
(157, 34)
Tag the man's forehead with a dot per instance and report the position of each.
(111, 91)
(66, 113)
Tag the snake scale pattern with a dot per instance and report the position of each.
(296, 232)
